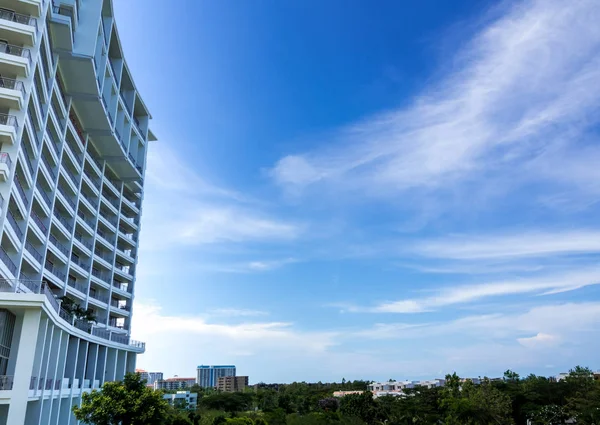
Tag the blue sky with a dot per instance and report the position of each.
(349, 191)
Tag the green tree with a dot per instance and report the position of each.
(583, 404)
(361, 406)
(469, 404)
(123, 403)
(240, 421)
(228, 402)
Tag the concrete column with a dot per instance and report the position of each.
(24, 366)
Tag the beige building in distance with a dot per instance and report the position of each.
(232, 384)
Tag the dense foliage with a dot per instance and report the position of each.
(508, 401)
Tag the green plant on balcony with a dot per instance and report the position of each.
(76, 310)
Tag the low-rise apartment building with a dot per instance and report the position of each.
(231, 384)
(182, 400)
(174, 384)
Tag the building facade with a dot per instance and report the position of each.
(174, 384)
(182, 400)
(207, 376)
(73, 141)
(150, 377)
(232, 384)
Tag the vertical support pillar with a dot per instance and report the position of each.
(24, 366)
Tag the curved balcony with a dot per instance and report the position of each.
(12, 92)
(17, 27)
(14, 60)
(8, 127)
(5, 166)
(100, 334)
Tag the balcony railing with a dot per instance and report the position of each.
(111, 220)
(21, 192)
(79, 237)
(128, 236)
(131, 220)
(70, 201)
(45, 196)
(36, 286)
(121, 339)
(56, 145)
(88, 221)
(104, 236)
(125, 103)
(83, 325)
(58, 245)
(101, 332)
(18, 18)
(47, 164)
(112, 67)
(80, 287)
(103, 276)
(10, 83)
(9, 120)
(123, 268)
(37, 220)
(7, 261)
(76, 125)
(33, 251)
(115, 324)
(104, 256)
(95, 181)
(15, 50)
(17, 285)
(27, 158)
(122, 286)
(116, 304)
(99, 297)
(113, 201)
(92, 200)
(115, 183)
(125, 252)
(14, 224)
(54, 270)
(5, 159)
(71, 175)
(6, 382)
(63, 221)
(83, 264)
(131, 204)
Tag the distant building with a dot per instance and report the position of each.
(182, 400)
(340, 394)
(173, 384)
(232, 384)
(207, 376)
(150, 377)
(399, 386)
(263, 386)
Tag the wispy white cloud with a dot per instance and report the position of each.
(235, 312)
(548, 324)
(182, 208)
(539, 340)
(511, 246)
(212, 340)
(459, 294)
(513, 108)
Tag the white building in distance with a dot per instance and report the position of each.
(182, 400)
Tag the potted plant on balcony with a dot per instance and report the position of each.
(75, 310)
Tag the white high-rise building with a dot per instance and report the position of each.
(208, 376)
(73, 141)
